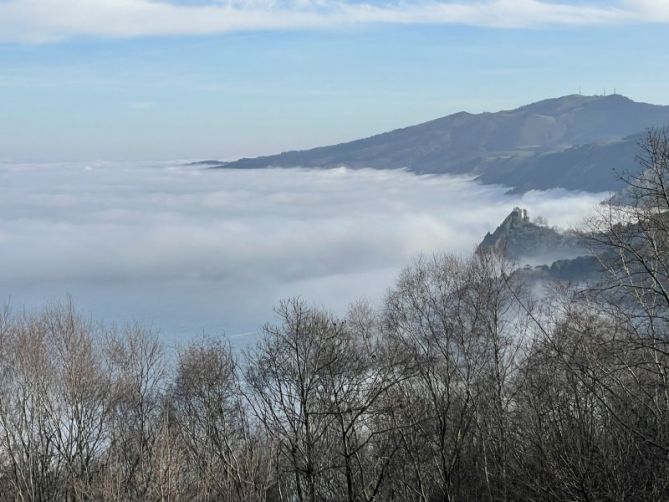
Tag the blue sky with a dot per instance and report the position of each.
(135, 79)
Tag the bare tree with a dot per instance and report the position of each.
(287, 393)
(359, 388)
(138, 384)
(224, 457)
(632, 239)
(79, 405)
(459, 323)
(28, 433)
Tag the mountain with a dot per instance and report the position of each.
(594, 167)
(538, 146)
(525, 241)
(543, 253)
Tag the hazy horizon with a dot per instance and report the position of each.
(199, 79)
(261, 151)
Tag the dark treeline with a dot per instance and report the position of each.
(460, 387)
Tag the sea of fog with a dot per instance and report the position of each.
(187, 250)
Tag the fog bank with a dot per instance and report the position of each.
(185, 249)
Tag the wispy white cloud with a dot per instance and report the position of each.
(38, 21)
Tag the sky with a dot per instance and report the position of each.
(90, 80)
(186, 250)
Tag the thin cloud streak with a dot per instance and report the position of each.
(44, 21)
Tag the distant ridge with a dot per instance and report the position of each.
(574, 142)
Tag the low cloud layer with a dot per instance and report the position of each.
(40, 21)
(187, 249)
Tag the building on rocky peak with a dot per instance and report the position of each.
(520, 239)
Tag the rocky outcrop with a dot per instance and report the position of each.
(523, 240)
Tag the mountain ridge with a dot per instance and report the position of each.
(503, 147)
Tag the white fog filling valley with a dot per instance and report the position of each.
(187, 250)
